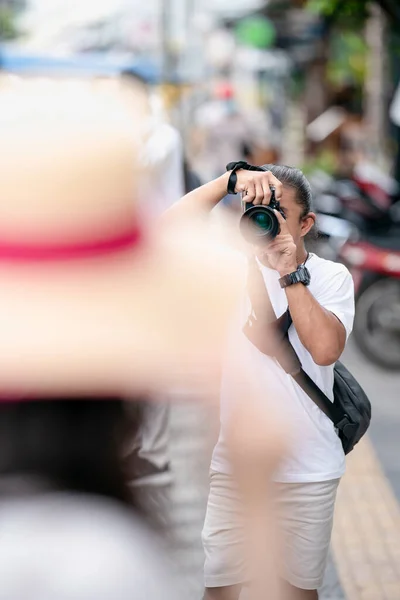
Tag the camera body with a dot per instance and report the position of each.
(259, 224)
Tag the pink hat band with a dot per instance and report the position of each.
(25, 252)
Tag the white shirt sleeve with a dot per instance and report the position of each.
(336, 294)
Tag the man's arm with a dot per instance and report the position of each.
(200, 200)
(254, 184)
(319, 330)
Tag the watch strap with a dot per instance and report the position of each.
(301, 275)
(286, 280)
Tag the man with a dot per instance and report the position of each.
(322, 314)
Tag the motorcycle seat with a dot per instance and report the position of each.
(389, 241)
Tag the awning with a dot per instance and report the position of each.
(88, 65)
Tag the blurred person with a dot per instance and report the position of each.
(69, 524)
(167, 176)
(222, 130)
(322, 310)
(191, 178)
(162, 153)
(95, 308)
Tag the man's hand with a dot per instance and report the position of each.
(255, 186)
(281, 253)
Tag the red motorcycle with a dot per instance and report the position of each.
(374, 262)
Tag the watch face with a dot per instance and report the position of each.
(304, 275)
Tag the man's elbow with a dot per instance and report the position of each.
(325, 356)
(325, 361)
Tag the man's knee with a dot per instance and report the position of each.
(231, 592)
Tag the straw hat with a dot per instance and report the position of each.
(91, 299)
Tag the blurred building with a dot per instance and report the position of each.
(118, 25)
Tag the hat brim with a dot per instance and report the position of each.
(144, 320)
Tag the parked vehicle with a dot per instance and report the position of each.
(334, 228)
(374, 262)
(344, 206)
(359, 221)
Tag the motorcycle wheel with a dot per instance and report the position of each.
(377, 323)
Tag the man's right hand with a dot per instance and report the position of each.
(255, 186)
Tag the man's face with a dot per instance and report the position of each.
(298, 226)
(292, 211)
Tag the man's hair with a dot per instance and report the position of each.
(290, 176)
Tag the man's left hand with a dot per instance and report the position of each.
(281, 253)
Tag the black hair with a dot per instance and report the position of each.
(71, 444)
(191, 180)
(292, 177)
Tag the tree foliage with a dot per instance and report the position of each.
(9, 29)
(348, 51)
(350, 12)
(354, 12)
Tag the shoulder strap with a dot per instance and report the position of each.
(263, 329)
(334, 412)
(286, 321)
(287, 357)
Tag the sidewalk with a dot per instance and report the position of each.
(366, 538)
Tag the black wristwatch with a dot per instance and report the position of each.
(301, 275)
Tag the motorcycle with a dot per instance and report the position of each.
(374, 262)
(332, 229)
(365, 203)
(361, 228)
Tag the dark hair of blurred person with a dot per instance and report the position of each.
(68, 445)
(191, 179)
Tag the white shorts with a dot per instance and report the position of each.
(305, 516)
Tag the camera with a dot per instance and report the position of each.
(259, 223)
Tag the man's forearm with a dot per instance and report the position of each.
(200, 201)
(320, 332)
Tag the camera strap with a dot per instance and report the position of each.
(236, 166)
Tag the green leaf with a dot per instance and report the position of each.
(8, 27)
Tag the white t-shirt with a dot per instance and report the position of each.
(316, 451)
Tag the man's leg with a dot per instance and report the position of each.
(306, 518)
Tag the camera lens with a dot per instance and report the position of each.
(262, 222)
(259, 224)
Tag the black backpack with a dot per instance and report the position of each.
(350, 411)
